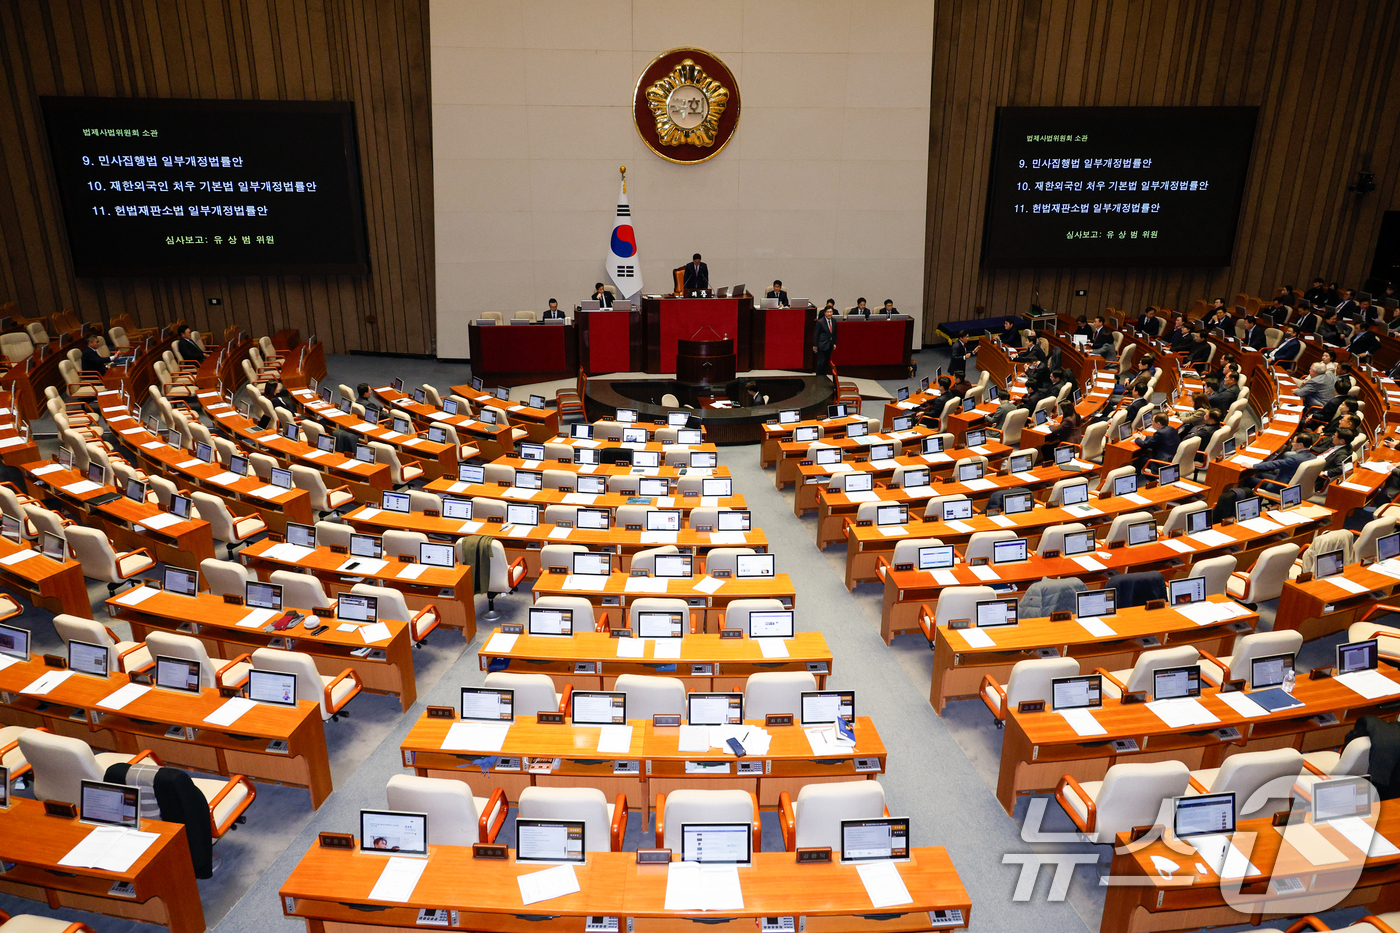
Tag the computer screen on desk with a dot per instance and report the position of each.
(1077, 542)
(559, 841)
(771, 623)
(736, 520)
(1168, 474)
(1269, 671)
(994, 613)
(689, 437)
(1185, 590)
(457, 508)
(1329, 564)
(1077, 692)
(180, 581)
(481, 704)
(592, 519)
(956, 509)
(755, 566)
(474, 473)
(884, 839)
(717, 843)
(432, 554)
(1388, 547)
(1197, 522)
(720, 486)
(828, 455)
(351, 607)
(1125, 485)
(177, 674)
(389, 832)
(1014, 551)
(654, 624)
(599, 708)
(395, 502)
(551, 621)
(1172, 683)
(1092, 604)
(1358, 656)
(677, 419)
(714, 709)
(1144, 532)
(672, 566)
(14, 642)
(857, 482)
(109, 804)
(87, 658)
(647, 459)
(967, 472)
(272, 687)
(1075, 494)
(789, 416)
(526, 515)
(365, 546)
(703, 459)
(1020, 463)
(936, 557)
(820, 707)
(1247, 508)
(1207, 814)
(857, 429)
(1342, 799)
(663, 520)
(1017, 502)
(263, 595)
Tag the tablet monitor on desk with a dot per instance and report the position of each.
(1075, 543)
(395, 502)
(663, 520)
(936, 557)
(885, 839)
(627, 416)
(677, 419)
(1290, 497)
(717, 843)
(592, 564)
(771, 623)
(1207, 814)
(592, 519)
(1341, 799)
(1168, 474)
(557, 841)
(529, 479)
(1171, 683)
(501, 392)
(857, 429)
(881, 451)
(996, 613)
(280, 478)
(473, 473)
(389, 832)
(11, 528)
(1186, 590)
(653, 487)
(483, 704)
(259, 595)
(457, 508)
(1388, 547)
(703, 459)
(1075, 494)
(1269, 671)
(646, 459)
(433, 554)
(599, 708)
(437, 434)
(967, 472)
(789, 416)
(1329, 564)
(272, 687)
(366, 546)
(135, 490)
(105, 804)
(673, 567)
(740, 520)
(180, 581)
(1081, 692)
(1041, 416)
(956, 509)
(14, 642)
(402, 425)
(97, 473)
(933, 444)
(828, 455)
(1143, 532)
(1021, 463)
(1246, 509)
(1094, 604)
(660, 624)
(857, 482)
(1197, 522)
(325, 442)
(1017, 502)
(714, 709)
(64, 457)
(805, 434)
(1125, 485)
(820, 707)
(755, 566)
(177, 674)
(53, 547)
(1013, 551)
(914, 478)
(581, 432)
(364, 453)
(688, 437)
(1358, 656)
(975, 438)
(87, 658)
(531, 451)
(551, 622)
(343, 404)
(992, 394)
(586, 456)
(592, 485)
(350, 607)
(891, 514)
(719, 487)
(527, 515)
(836, 411)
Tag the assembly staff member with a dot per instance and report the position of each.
(825, 340)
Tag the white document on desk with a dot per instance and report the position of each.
(1097, 627)
(80, 487)
(691, 886)
(1212, 538)
(939, 457)
(1370, 684)
(499, 643)
(708, 584)
(374, 632)
(559, 532)
(1261, 526)
(614, 740)
(1363, 835)
(1224, 859)
(1291, 517)
(225, 478)
(893, 531)
(587, 582)
(475, 736)
(1026, 477)
(666, 649)
(883, 884)
(1002, 521)
(137, 595)
(976, 637)
(47, 469)
(398, 879)
(411, 571)
(258, 617)
(773, 647)
(1349, 586)
(980, 484)
(363, 566)
(579, 498)
(1082, 721)
(984, 572)
(1137, 499)
(1242, 704)
(518, 531)
(944, 577)
(1182, 711)
(736, 538)
(46, 682)
(864, 495)
(227, 714)
(962, 528)
(659, 537)
(109, 848)
(6, 661)
(19, 557)
(631, 648)
(695, 739)
(469, 528)
(644, 585)
(123, 696)
(548, 884)
(1311, 844)
(1088, 563)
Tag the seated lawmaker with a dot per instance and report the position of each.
(1308, 322)
(1158, 443)
(1198, 352)
(1010, 336)
(1254, 334)
(92, 360)
(189, 350)
(697, 275)
(1065, 428)
(1318, 389)
(601, 295)
(553, 312)
(1227, 394)
(1150, 324)
(1289, 346)
(1332, 331)
(1180, 337)
(1282, 466)
(888, 308)
(1368, 341)
(778, 292)
(860, 309)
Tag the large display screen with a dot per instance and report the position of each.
(208, 187)
(1116, 186)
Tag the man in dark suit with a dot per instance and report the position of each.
(1206, 427)
(1316, 294)
(1347, 306)
(1289, 346)
(1254, 334)
(1138, 403)
(1285, 296)
(888, 307)
(1160, 443)
(777, 292)
(1227, 395)
(189, 350)
(1150, 324)
(959, 351)
(1308, 322)
(92, 360)
(553, 312)
(1220, 322)
(1278, 311)
(1180, 338)
(1367, 311)
(825, 340)
(1282, 465)
(697, 274)
(602, 296)
(1330, 330)
(1199, 352)
(1366, 342)
(1099, 336)
(1010, 336)
(1335, 455)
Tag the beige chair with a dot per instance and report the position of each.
(11, 757)
(1353, 760)
(398, 543)
(331, 693)
(231, 674)
(725, 559)
(392, 606)
(455, 817)
(737, 612)
(1216, 571)
(814, 820)
(400, 474)
(1140, 677)
(232, 531)
(1130, 795)
(127, 657)
(1263, 584)
(679, 807)
(61, 763)
(92, 549)
(1259, 780)
(534, 693)
(1237, 665)
(300, 590)
(325, 501)
(16, 346)
(604, 824)
(225, 577)
(648, 695)
(1029, 680)
(776, 692)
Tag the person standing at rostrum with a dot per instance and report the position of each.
(825, 341)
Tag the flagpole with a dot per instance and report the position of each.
(623, 170)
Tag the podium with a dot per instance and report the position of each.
(705, 362)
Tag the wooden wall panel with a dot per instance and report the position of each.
(1319, 71)
(371, 52)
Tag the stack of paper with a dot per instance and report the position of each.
(1088, 563)
(411, 571)
(691, 886)
(773, 647)
(137, 595)
(666, 649)
(631, 648)
(1349, 586)
(123, 696)
(1182, 711)
(826, 743)
(1370, 684)
(257, 617)
(374, 632)
(1212, 538)
(612, 740)
(1097, 627)
(548, 884)
(1082, 721)
(984, 572)
(78, 488)
(1242, 704)
(587, 582)
(707, 584)
(976, 637)
(1364, 836)
(499, 643)
(694, 739)
(398, 879)
(1261, 525)
(475, 736)
(109, 848)
(227, 714)
(883, 884)
(645, 585)
(291, 553)
(47, 682)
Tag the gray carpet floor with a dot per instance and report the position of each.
(941, 770)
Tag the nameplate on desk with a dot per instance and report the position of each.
(863, 523)
(233, 599)
(337, 841)
(558, 570)
(1051, 554)
(1031, 706)
(653, 856)
(1122, 746)
(1138, 832)
(512, 628)
(705, 528)
(1320, 673)
(1115, 545)
(1304, 577)
(637, 573)
(56, 660)
(731, 633)
(441, 712)
(432, 513)
(619, 633)
(550, 719)
(59, 808)
(497, 519)
(958, 624)
(322, 613)
(564, 459)
(339, 549)
(804, 463)
(777, 719)
(814, 854)
(721, 574)
(1061, 615)
(689, 493)
(1232, 686)
(490, 850)
(1153, 604)
(1137, 696)
(666, 720)
(407, 559)
(276, 538)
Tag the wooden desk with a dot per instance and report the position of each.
(959, 668)
(1039, 748)
(537, 421)
(456, 610)
(223, 637)
(609, 470)
(57, 587)
(813, 477)
(775, 434)
(608, 500)
(241, 748)
(1320, 607)
(1140, 899)
(707, 662)
(572, 759)
(330, 890)
(523, 353)
(166, 891)
(435, 459)
(491, 440)
(121, 519)
(617, 594)
(792, 454)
